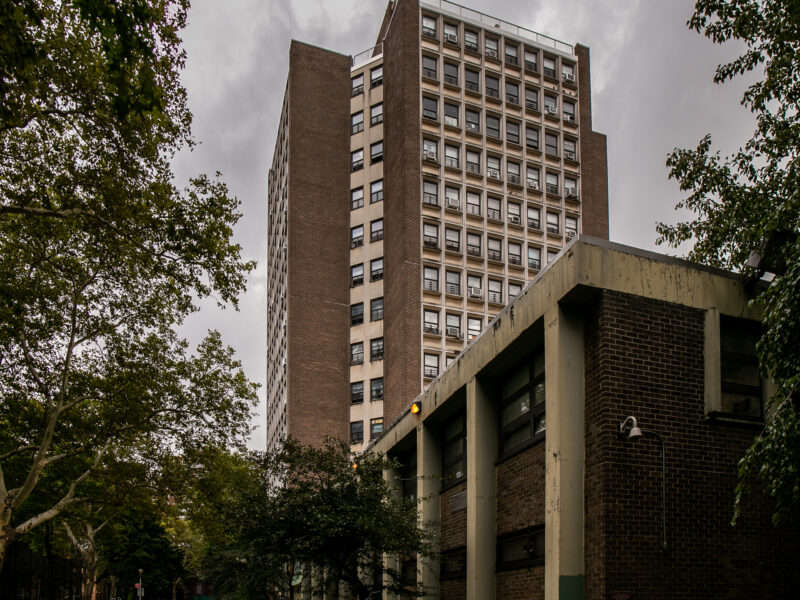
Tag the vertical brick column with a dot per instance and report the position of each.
(429, 463)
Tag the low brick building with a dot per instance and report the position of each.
(519, 464)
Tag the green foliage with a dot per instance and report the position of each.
(102, 256)
(750, 201)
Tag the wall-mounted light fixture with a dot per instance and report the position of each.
(629, 428)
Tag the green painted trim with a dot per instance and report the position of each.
(570, 587)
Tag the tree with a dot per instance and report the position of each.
(313, 510)
(749, 202)
(102, 255)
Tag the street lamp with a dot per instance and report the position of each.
(629, 428)
(139, 593)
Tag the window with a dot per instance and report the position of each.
(534, 258)
(375, 427)
(532, 176)
(571, 187)
(357, 160)
(453, 282)
(473, 244)
(357, 353)
(551, 144)
(472, 80)
(474, 203)
(430, 365)
(474, 162)
(454, 450)
(513, 209)
(568, 72)
(551, 255)
(453, 323)
(495, 291)
(473, 327)
(357, 392)
(569, 110)
(550, 105)
(453, 564)
(376, 191)
(494, 249)
(450, 33)
(356, 198)
(430, 235)
(512, 54)
(492, 86)
(376, 114)
(357, 236)
(376, 269)
(452, 197)
(452, 239)
(376, 76)
(569, 149)
(451, 115)
(471, 40)
(741, 381)
(376, 152)
(522, 418)
(450, 73)
(451, 154)
(534, 218)
(357, 313)
(357, 85)
(512, 92)
(532, 137)
(553, 225)
(494, 208)
(429, 65)
(356, 275)
(549, 65)
(493, 167)
(570, 226)
(472, 118)
(532, 99)
(512, 132)
(513, 290)
(492, 126)
(431, 321)
(428, 26)
(430, 193)
(520, 549)
(551, 181)
(531, 60)
(357, 122)
(376, 349)
(490, 44)
(430, 150)
(376, 309)
(430, 108)
(514, 253)
(430, 279)
(512, 170)
(376, 389)
(356, 432)
(376, 230)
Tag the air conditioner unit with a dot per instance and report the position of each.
(569, 77)
(569, 117)
(473, 127)
(454, 332)
(533, 184)
(569, 155)
(475, 292)
(572, 192)
(552, 110)
(453, 203)
(570, 233)
(491, 53)
(493, 173)
(513, 219)
(430, 155)
(451, 37)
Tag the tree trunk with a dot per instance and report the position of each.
(4, 543)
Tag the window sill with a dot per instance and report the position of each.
(722, 418)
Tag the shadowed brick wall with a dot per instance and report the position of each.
(319, 185)
(645, 358)
(453, 535)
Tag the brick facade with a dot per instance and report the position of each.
(318, 315)
(520, 491)
(645, 358)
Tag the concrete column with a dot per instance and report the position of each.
(564, 451)
(482, 444)
(391, 562)
(429, 464)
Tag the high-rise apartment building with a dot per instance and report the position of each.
(415, 188)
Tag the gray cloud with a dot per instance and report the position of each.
(652, 91)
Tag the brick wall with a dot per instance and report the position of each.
(521, 584)
(401, 210)
(645, 358)
(454, 589)
(319, 184)
(453, 522)
(520, 490)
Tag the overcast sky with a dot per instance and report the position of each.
(652, 90)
